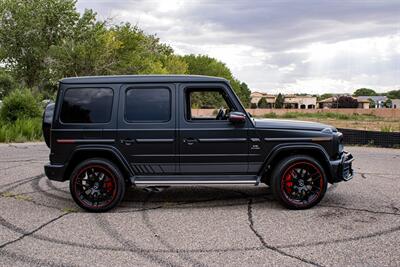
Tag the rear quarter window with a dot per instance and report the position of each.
(87, 105)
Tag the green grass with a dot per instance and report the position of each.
(22, 130)
(322, 115)
(387, 128)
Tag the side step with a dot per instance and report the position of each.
(195, 179)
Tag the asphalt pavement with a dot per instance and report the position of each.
(356, 224)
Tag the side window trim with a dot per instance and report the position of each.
(125, 106)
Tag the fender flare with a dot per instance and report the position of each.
(103, 148)
(282, 148)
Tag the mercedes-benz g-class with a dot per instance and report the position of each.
(107, 133)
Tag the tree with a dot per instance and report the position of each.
(205, 65)
(94, 49)
(262, 103)
(371, 103)
(394, 94)
(388, 103)
(42, 41)
(364, 92)
(28, 29)
(244, 94)
(346, 102)
(324, 96)
(279, 101)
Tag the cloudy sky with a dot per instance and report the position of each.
(278, 46)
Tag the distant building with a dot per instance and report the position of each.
(396, 103)
(300, 102)
(255, 97)
(379, 101)
(327, 103)
(331, 102)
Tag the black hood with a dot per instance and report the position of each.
(291, 124)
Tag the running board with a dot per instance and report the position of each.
(195, 179)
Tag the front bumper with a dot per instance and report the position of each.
(341, 169)
(55, 172)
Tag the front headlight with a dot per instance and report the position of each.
(341, 148)
(340, 143)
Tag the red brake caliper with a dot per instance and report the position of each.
(288, 183)
(108, 185)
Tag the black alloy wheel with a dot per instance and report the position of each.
(299, 182)
(97, 185)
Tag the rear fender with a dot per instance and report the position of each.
(89, 151)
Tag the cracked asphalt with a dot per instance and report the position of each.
(357, 223)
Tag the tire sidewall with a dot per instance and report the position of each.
(277, 177)
(119, 183)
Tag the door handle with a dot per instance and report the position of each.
(127, 142)
(190, 141)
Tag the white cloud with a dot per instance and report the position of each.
(278, 46)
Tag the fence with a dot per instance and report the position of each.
(359, 137)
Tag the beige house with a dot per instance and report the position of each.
(255, 97)
(396, 103)
(363, 104)
(327, 103)
(300, 102)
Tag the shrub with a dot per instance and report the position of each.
(19, 104)
(270, 115)
(21, 130)
(7, 84)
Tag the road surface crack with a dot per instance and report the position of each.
(265, 244)
(364, 210)
(33, 231)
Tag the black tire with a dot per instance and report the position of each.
(97, 185)
(299, 182)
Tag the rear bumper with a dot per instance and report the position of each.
(342, 169)
(55, 172)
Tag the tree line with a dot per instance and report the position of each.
(42, 41)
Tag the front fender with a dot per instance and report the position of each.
(282, 150)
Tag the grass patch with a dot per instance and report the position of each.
(270, 115)
(69, 210)
(387, 128)
(369, 122)
(21, 130)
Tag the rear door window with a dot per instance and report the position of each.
(87, 105)
(148, 105)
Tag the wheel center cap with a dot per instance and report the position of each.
(301, 182)
(96, 186)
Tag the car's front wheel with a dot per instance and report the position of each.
(299, 182)
(97, 185)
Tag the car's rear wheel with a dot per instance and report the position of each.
(299, 182)
(97, 185)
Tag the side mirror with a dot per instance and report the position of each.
(237, 117)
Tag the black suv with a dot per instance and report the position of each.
(110, 132)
